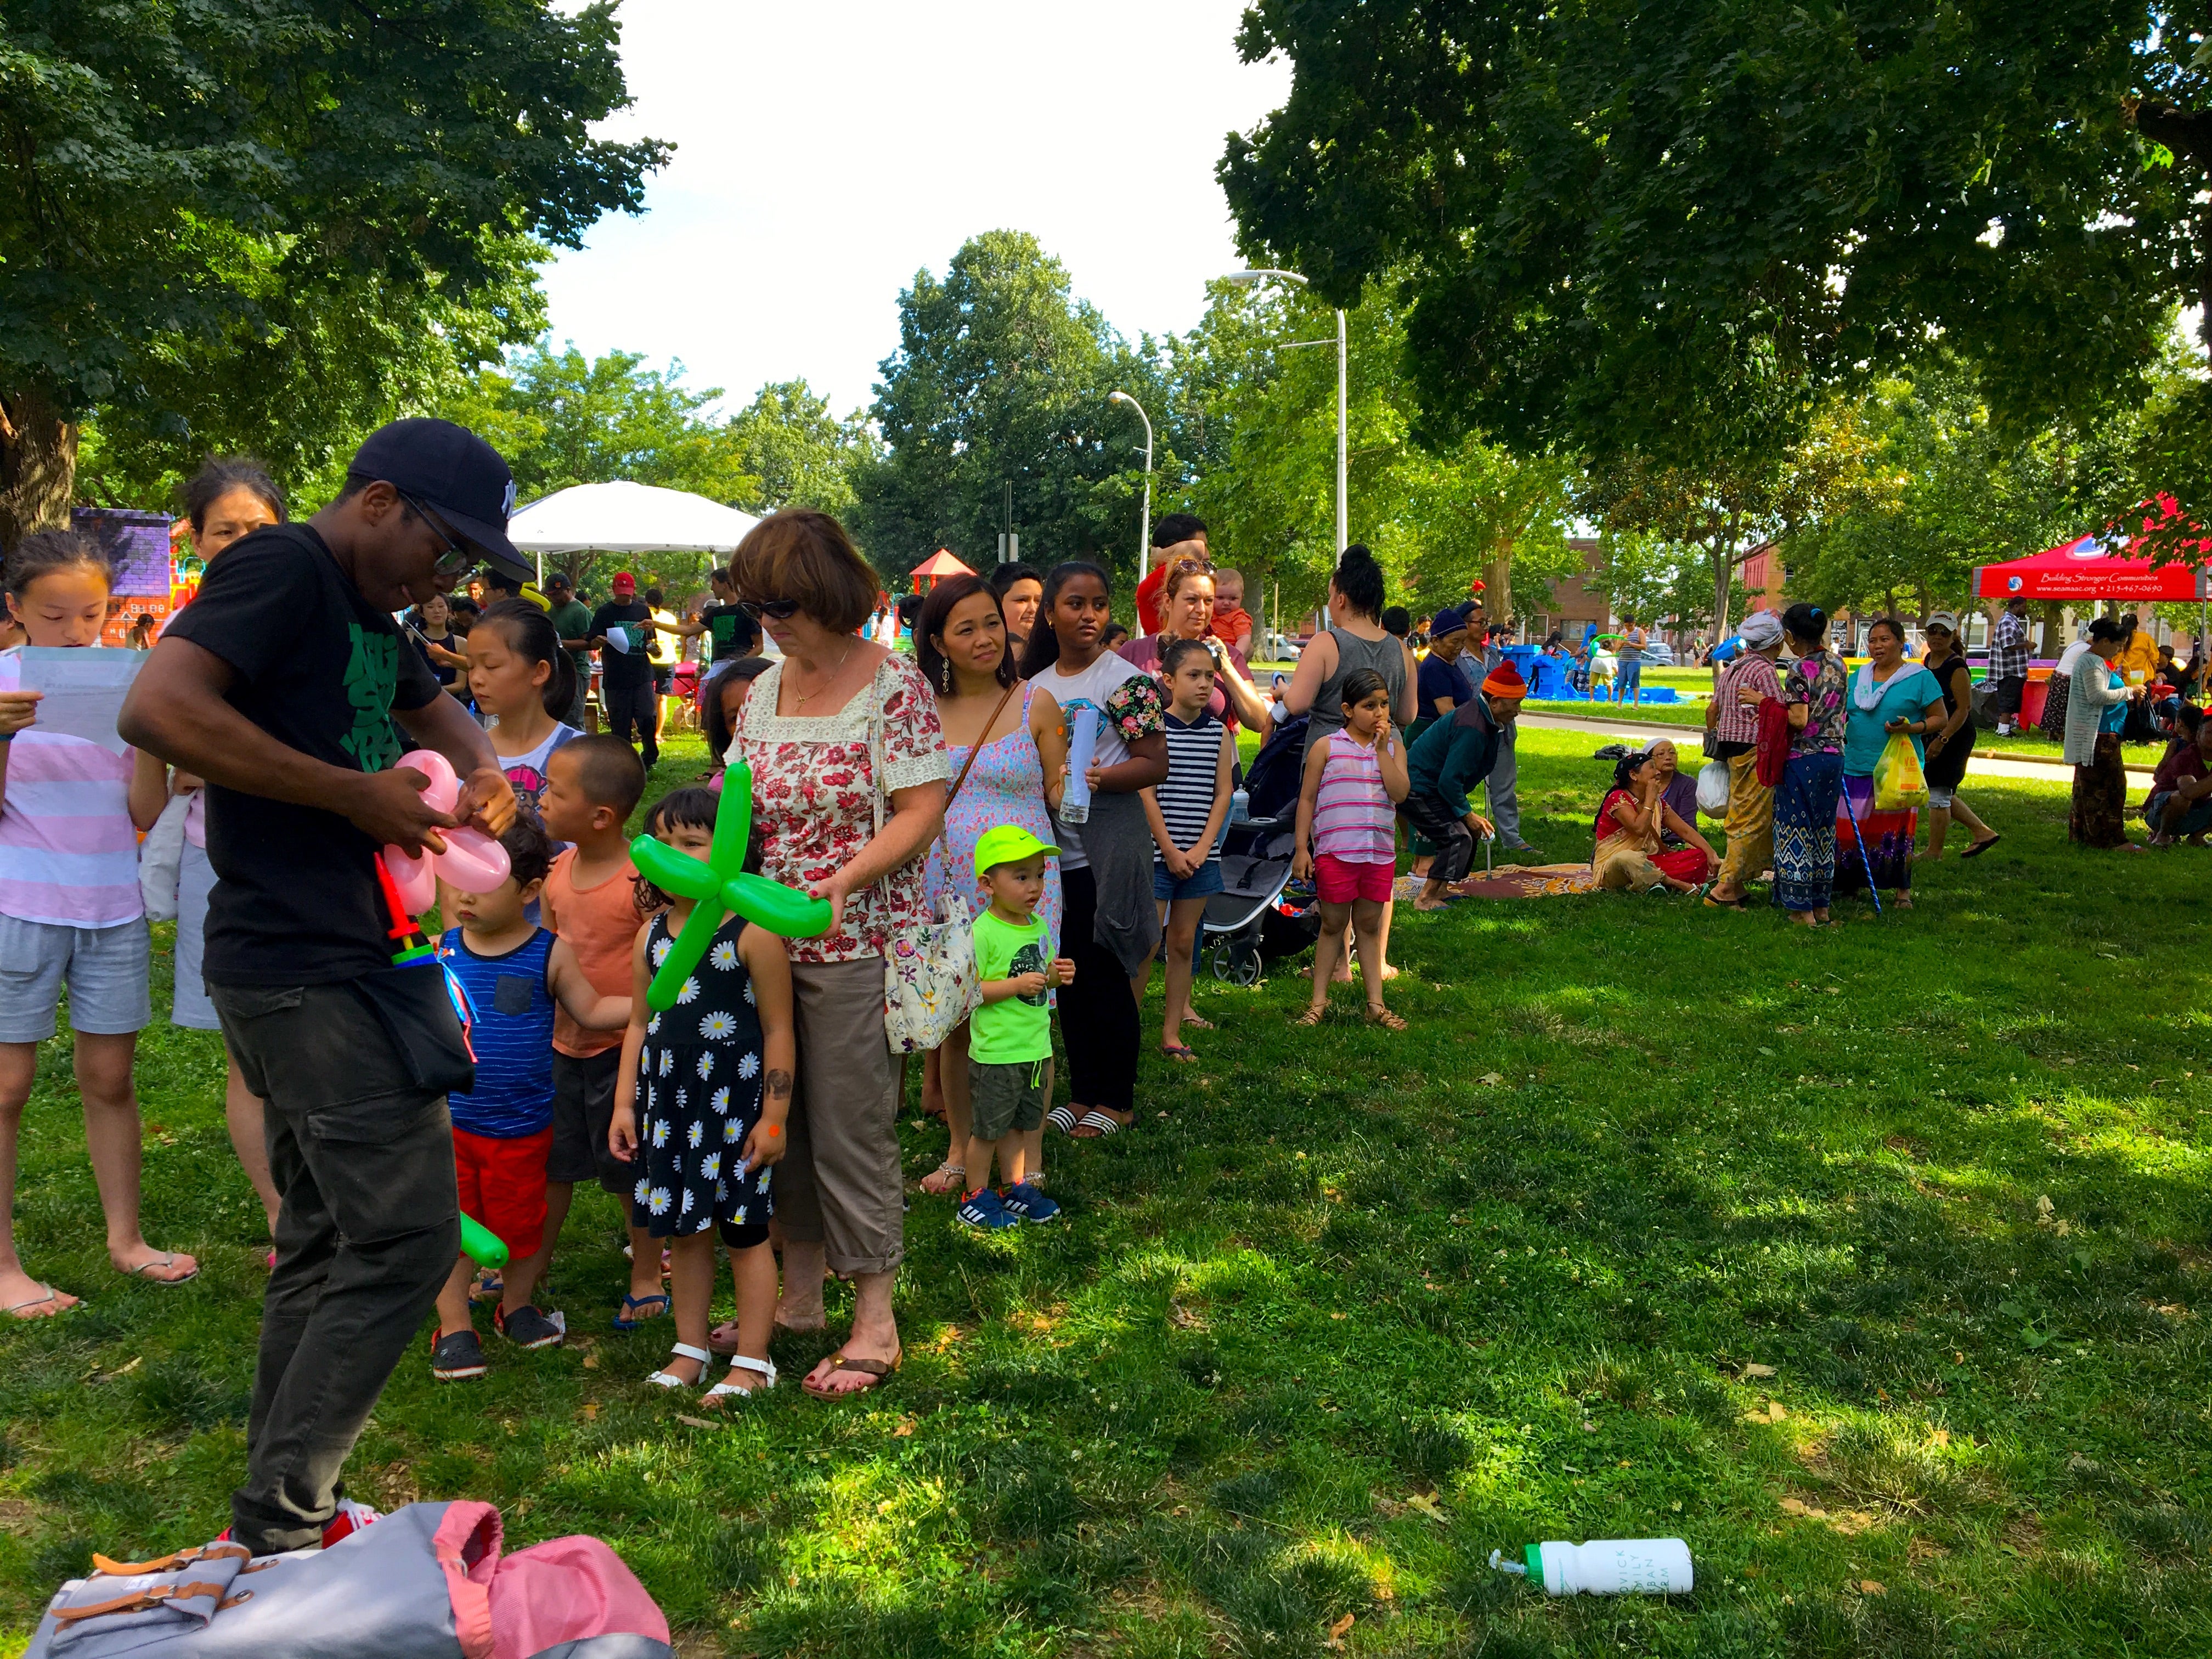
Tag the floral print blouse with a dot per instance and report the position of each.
(1818, 682)
(815, 796)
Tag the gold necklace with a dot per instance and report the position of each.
(801, 701)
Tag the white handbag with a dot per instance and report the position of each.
(930, 982)
(161, 859)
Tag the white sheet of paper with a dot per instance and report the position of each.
(84, 689)
(618, 639)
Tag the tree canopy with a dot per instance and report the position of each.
(1667, 230)
(194, 189)
(1002, 375)
(796, 452)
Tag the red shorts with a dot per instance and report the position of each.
(1341, 882)
(503, 1186)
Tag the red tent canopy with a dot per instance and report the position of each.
(941, 564)
(2088, 569)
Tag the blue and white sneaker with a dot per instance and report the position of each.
(1028, 1203)
(982, 1209)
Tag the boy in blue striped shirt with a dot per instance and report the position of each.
(515, 973)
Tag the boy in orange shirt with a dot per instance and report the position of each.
(1232, 624)
(592, 784)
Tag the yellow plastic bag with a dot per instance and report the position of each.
(1900, 784)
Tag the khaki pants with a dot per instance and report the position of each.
(1750, 823)
(839, 1185)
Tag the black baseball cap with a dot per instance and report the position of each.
(455, 473)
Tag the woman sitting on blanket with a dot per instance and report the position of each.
(1636, 823)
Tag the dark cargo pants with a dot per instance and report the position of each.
(363, 1160)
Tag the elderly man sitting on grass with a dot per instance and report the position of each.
(1451, 758)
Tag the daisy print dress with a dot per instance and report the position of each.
(699, 1096)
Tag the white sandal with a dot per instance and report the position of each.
(663, 1380)
(765, 1368)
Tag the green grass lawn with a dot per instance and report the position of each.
(1872, 1263)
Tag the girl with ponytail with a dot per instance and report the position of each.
(519, 675)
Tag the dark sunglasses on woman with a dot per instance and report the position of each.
(779, 610)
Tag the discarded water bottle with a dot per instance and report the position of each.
(1240, 806)
(1082, 741)
(1604, 1566)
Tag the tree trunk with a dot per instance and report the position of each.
(1498, 579)
(38, 466)
(2054, 629)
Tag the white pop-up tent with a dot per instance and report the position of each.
(626, 518)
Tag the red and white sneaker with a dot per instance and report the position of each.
(351, 1519)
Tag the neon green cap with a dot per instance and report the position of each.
(1008, 843)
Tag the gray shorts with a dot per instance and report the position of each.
(1005, 1099)
(105, 968)
(189, 1006)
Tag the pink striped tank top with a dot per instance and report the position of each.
(69, 853)
(1353, 815)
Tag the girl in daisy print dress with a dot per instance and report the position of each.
(700, 1106)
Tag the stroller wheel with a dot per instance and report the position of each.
(1244, 965)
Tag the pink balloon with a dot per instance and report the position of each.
(473, 862)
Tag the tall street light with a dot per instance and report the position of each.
(1144, 534)
(1246, 279)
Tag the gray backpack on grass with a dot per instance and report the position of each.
(427, 1582)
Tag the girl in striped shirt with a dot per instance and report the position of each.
(70, 814)
(1186, 812)
(1347, 809)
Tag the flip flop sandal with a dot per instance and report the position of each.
(948, 1171)
(167, 1258)
(875, 1370)
(1981, 847)
(1179, 1052)
(630, 1319)
(1200, 1024)
(764, 1368)
(1061, 1118)
(1100, 1124)
(15, 1309)
(663, 1380)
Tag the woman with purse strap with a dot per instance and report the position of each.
(830, 732)
(1004, 741)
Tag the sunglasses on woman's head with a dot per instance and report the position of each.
(779, 610)
(1191, 566)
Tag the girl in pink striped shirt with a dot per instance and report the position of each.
(70, 813)
(1347, 815)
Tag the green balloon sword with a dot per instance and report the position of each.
(720, 885)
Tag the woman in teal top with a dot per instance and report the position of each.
(1888, 696)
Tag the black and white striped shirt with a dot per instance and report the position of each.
(1185, 798)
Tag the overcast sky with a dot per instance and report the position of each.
(825, 153)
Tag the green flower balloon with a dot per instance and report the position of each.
(719, 885)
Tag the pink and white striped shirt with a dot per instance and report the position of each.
(1353, 814)
(69, 853)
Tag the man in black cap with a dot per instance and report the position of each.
(288, 686)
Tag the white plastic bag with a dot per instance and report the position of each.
(1713, 788)
(160, 856)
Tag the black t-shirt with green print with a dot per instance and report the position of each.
(297, 900)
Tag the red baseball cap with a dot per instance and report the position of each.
(623, 582)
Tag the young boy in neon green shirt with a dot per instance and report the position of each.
(1009, 1035)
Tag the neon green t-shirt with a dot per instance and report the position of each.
(1018, 1029)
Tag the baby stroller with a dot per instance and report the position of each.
(1258, 915)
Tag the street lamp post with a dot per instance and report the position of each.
(1144, 532)
(1245, 279)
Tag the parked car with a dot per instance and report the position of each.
(1659, 655)
(1280, 647)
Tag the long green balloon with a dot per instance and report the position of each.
(718, 885)
(480, 1244)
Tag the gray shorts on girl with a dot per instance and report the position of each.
(105, 968)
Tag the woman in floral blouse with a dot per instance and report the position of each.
(1805, 804)
(1113, 923)
(811, 730)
